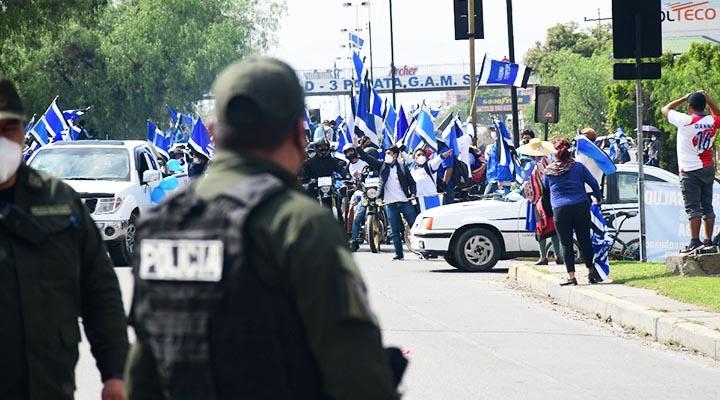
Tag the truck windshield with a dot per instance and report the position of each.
(84, 163)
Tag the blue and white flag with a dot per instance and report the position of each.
(504, 73)
(391, 120)
(364, 119)
(200, 140)
(51, 126)
(30, 124)
(159, 139)
(594, 154)
(402, 125)
(425, 130)
(504, 147)
(361, 71)
(449, 134)
(356, 40)
(600, 242)
(73, 115)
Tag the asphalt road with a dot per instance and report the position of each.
(475, 336)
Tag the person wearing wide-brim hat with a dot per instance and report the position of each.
(538, 220)
(536, 148)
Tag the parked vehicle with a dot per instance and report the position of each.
(114, 179)
(474, 235)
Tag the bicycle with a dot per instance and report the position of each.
(619, 249)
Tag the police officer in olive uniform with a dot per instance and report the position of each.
(244, 286)
(54, 268)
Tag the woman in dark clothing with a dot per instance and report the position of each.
(564, 182)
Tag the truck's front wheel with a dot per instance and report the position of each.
(121, 251)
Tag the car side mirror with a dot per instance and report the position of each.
(151, 176)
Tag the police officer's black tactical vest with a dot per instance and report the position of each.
(215, 329)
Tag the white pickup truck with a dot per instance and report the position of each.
(115, 180)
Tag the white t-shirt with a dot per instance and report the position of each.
(695, 137)
(393, 191)
(423, 182)
(357, 167)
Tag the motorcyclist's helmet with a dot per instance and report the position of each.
(350, 151)
(322, 147)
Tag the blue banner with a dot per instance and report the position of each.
(666, 224)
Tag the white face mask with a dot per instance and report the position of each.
(653, 138)
(389, 159)
(421, 160)
(10, 158)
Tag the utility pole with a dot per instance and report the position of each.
(513, 90)
(473, 79)
(598, 19)
(392, 55)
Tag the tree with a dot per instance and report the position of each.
(681, 74)
(128, 59)
(579, 63)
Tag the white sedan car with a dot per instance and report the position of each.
(474, 235)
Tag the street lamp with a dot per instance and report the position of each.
(357, 24)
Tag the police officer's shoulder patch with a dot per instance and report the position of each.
(181, 260)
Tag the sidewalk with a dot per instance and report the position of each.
(642, 310)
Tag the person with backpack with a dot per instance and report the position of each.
(446, 181)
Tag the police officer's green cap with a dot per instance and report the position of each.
(10, 104)
(268, 82)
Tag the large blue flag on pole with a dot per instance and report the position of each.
(51, 126)
(425, 129)
(364, 120)
(356, 40)
(504, 73)
(200, 140)
(159, 139)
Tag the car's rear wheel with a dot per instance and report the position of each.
(476, 250)
(121, 252)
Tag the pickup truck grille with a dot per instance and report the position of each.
(90, 204)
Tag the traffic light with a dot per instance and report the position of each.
(461, 20)
(640, 15)
(547, 104)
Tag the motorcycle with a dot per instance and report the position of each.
(327, 196)
(376, 224)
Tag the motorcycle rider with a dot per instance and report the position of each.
(323, 164)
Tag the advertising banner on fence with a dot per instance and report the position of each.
(666, 224)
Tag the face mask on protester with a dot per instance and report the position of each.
(653, 138)
(420, 160)
(10, 158)
(389, 159)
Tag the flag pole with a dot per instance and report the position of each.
(392, 55)
(473, 79)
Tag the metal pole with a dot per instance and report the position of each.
(370, 44)
(392, 55)
(639, 120)
(513, 90)
(473, 79)
(546, 129)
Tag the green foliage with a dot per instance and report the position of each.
(700, 290)
(128, 59)
(579, 63)
(693, 70)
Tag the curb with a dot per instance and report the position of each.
(661, 328)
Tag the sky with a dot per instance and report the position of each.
(310, 36)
